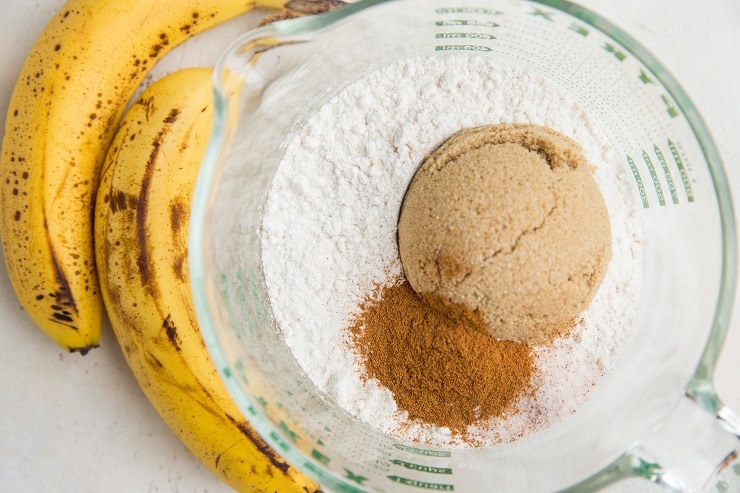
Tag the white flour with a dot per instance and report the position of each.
(329, 229)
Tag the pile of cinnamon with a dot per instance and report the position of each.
(442, 369)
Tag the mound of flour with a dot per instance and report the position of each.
(330, 223)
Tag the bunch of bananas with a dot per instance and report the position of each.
(94, 205)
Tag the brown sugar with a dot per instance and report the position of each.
(505, 223)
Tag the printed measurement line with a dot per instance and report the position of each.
(466, 22)
(681, 170)
(226, 295)
(422, 468)
(422, 484)
(240, 295)
(468, 10)
(461, 48)
(654, 176)
(667, 173)
(668, 176)
(464, 36)
(255, 296)
(421, 451)
(639, 182)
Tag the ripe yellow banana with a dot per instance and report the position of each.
(63, 112)
(141, 233)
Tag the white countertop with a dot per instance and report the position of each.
(81, 424)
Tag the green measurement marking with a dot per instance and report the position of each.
(645, 78)
(638, 181)
(654, 176)
(320, 457)
(668, 175)
(466, 22)
(461, 48)
(243, 302)
(282, 444)
(670, 108)
(229, 308)
(239, 367)
(542, 13)
(619, 55)
(421, 451)
(468, 10)
(422, 468)
(255, 295)
(681, 170)
(579, 29)
(357, 478)
(286, 429)
(422, 484)
(312, 467)
(464, 36)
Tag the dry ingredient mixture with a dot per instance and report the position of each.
(506, 222)
(330, 255)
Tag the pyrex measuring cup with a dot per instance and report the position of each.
(656, 416)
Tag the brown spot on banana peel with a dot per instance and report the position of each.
(148, 104)
(299, 8)
(154, 362)
(159, 46)
(261, 445)
(64, 308)
(280, 16)
(118, 201)
(311, 7)
(112, 155)
(178, 219)
(170, 329)
(188, 135)
(178, 266)
(172, 117)
(83, 350)
(63, 303)
(142, 207)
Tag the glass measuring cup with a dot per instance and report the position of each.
(656, 417)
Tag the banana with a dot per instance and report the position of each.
(63, 112)
(141, 233)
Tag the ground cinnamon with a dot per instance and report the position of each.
(445, 371)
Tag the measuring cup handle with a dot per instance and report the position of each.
(692, 451)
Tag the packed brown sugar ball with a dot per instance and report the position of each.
(506, 225)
